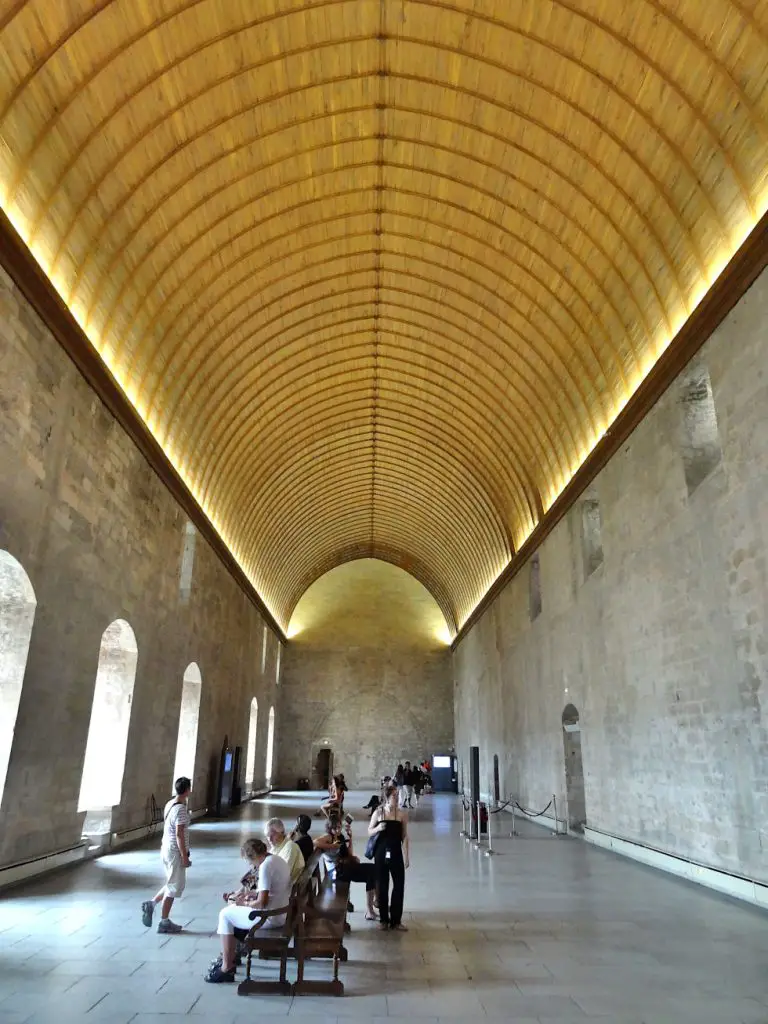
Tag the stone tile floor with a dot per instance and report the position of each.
(551, 930)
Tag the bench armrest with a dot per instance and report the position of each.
(264, 915)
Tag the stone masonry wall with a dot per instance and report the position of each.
(367, 673)
(373, 708)
(664, 647)
(100, 538)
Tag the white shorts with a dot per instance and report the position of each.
(232, 917)
(175, 874)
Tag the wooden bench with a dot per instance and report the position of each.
(274, 943)
(321, 925)
(314, 929)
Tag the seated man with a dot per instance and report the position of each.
(301, 836)
(282, 846)
(242, 912)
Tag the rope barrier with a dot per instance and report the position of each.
(532, 814)
(502, 806)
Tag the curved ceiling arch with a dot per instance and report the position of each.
(329, 411)
(237, 301)
(557, 243)
(438, 375)
(378, 274)
(171, 325)
(407, 444)
(528, 34)
(464, 125)
(452, 403)
(526, 392)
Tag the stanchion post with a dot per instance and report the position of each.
(513, 833)
(463, 832)
(479, 836)
(556, 833)
(490, 852)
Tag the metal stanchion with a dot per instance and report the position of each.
(557, 832)
(464, 834)
(489, 850)
(479, 836)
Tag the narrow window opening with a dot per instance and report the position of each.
(270, 746)
(189, 718)
(701, 440)
(277, 663)
(102, 782)
(534, 592)
(187, 562)
(591, 535)
(17, 613)
(250, 757)
(264, 650)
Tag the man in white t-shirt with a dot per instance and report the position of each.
(175, 853)
(273, 893)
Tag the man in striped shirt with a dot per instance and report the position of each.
(175, 854)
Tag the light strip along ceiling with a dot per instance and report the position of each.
(378, 274)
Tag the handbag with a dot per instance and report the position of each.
(370, 846)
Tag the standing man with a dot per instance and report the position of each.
(175, 853)
(283, 847)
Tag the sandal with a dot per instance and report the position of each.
(216, 975)
(398, 928)
(371, 917)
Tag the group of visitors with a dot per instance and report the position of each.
(276, 864)
(411, 781)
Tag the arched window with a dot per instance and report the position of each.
(250, 759)
(189, 716)
(17, 612)
(270, 745)
(102, 784)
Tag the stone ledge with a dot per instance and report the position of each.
(14, 874)
(739, 888)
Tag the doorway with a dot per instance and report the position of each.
(496, 781)
(574, 770)
(323, 769)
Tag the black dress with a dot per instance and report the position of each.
(389, 861)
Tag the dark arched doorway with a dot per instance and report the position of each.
(323, 768)
(574, 770)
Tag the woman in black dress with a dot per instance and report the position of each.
(390, 824)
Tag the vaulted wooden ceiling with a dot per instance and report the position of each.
(379, 273)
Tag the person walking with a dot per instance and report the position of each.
(174, 851)
(391, 857)
(399, 781)
(409, 777)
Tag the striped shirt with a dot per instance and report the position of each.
(175, 814)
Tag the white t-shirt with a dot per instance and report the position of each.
(275, 878)
(174, 814)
